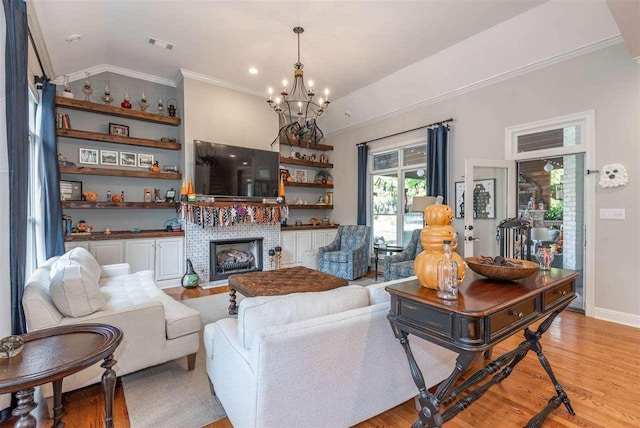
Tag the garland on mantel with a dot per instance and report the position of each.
(218, 214)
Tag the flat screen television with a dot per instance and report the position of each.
(234, 172)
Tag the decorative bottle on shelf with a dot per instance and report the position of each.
(447, 274)
(107, 98)
(67, 88)
(126, 103)
(122, 196)
(108, 195)
(190, 278)
(86, 87)
(143, 104)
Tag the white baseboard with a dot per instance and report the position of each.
(631, 320)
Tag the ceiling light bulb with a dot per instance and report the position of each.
(253, 70)
(311, 83)
(270, 90)
(277, 100)
(548, 167)
(284, 84)
(320, 101)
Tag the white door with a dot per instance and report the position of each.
(487, 198)
(288, 244)
(169, 258)
(107, 252)
(140, 254)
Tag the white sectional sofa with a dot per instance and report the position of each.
(74, 289)
(326, 359)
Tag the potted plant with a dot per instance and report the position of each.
(323, 176)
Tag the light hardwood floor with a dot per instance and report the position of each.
(597, 363)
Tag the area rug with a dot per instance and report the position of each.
(169, 395)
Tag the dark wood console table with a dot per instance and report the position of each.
(52, 354)
(485, 313)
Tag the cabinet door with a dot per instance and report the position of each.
(169, 258)
(304, 244)
(318, 239)
(71, 245)
(107, 252)
(288, 244)
(329, 236)
(140, 254)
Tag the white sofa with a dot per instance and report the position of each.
(156, 327)
(326, 359)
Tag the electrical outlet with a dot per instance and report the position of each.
(612, 213)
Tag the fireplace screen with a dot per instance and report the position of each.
(232, 256)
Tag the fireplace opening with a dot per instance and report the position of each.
(231, 256)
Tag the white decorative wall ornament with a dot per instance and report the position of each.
(613, 175)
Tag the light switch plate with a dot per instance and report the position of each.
(612, 213)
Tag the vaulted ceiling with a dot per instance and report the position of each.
(346, 45)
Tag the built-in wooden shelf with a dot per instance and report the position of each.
(314, 185)
(118, 139)
(125, 234)
(302, 162)
(119, 205)
(116, 111)
(310, 207)
(321, 147)
(140, 173)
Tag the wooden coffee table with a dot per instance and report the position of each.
(278, 282)
(52, 354)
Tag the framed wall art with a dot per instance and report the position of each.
(115, 129)
(300, 175)
(88, 156)
(108, 157)
(484, 198)
(128, 159)
(145, 161)
(70, 190)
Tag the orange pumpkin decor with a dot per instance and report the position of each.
(116, 198)
(438, 229)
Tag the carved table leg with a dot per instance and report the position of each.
(25, 406)
(108, 387)
(233, 308)
(534, 342)
(57, 404)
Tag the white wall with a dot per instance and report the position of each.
(607, 81)
(220, 115)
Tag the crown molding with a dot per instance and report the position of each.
(77, 75)
(214, 81)
(573, 53)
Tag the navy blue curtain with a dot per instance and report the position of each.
(363, 154)
(437, 141)
(15, 12)
(53, 236)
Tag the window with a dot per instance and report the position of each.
(35, 226)
(396, 177)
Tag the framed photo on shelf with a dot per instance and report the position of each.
(108, 157)
(145, 161)
(300, 175)
(115, 129)
(88, 156)
(284, 174)
(128, 159)
(484, 198)
(70, 190)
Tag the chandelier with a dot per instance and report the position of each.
(297, 110)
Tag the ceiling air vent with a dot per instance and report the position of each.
(160, 43)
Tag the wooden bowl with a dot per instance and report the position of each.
(502, 273)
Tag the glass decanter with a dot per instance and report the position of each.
(160, 104)
(545, 257)
(86, 87)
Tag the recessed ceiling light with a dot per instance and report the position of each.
(160, 43)
(253, 70)
(73, 38)
(232, 156)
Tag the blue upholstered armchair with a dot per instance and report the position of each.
(400, 265)
(348, 255)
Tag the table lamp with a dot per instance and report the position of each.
(421, 202)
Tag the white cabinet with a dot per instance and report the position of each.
(163, 256)
(106, 252)
(299, 246)
(169, 259)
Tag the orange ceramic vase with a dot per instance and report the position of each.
(437, 230)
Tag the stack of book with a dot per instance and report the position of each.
(62, 121)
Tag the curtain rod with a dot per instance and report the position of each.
(44, 77)
(408, 130)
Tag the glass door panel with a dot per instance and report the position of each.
(415, 184)
(385, 208)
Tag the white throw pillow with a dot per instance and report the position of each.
(81, 257)
(75, 292)
(256, 313)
